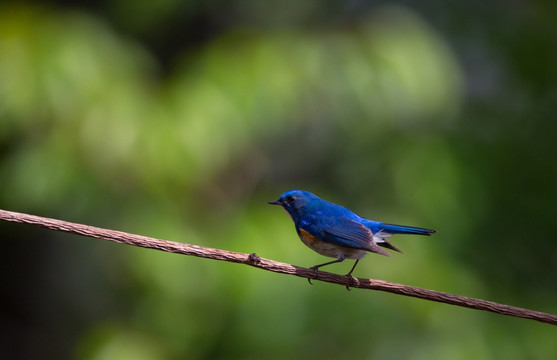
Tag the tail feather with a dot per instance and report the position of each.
(387, 230)
(401, 229)
(379, 239)
(388, 245)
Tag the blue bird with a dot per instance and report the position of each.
(334, 231)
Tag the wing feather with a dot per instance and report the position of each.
(350, 233)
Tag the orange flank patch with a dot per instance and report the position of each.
(308, 239)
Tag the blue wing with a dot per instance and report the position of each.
(350, 233)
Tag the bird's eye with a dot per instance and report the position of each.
(290, 199)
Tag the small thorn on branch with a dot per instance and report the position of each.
(253, 258)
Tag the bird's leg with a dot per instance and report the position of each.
(350, 275)
(316, 267)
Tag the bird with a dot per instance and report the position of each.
(334, 231)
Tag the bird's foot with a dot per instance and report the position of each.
(352, 281)
(316, 268)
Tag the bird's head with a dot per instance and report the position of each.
(293, 201)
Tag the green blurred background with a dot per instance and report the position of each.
(180, 119)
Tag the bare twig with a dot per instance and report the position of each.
(275, 266)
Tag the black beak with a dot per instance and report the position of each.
(274, 202)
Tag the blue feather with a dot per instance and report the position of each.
(400, 229)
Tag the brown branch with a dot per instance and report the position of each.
(275, 266)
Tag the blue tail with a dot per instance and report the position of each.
(400, 229)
